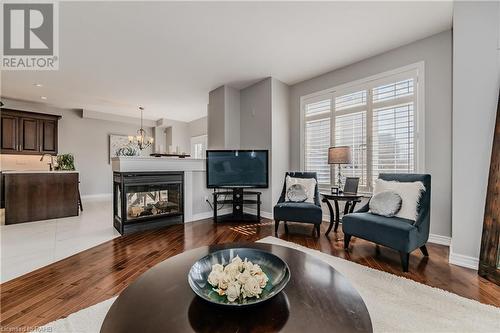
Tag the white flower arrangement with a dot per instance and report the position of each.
(238, 280)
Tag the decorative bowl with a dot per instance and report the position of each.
(275, 268)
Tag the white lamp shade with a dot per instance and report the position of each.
(339, 155)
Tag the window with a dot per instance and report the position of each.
(198, 146)
(376, 117)
(317, 139)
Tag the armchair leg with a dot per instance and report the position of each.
(317, 227)
(423, 248)
(405, 259)
(347, 239)
(286, 227)
(276, 226)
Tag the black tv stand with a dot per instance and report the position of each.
(238, 200)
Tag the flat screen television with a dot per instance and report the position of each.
(237, 168)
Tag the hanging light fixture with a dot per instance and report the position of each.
(141, 140)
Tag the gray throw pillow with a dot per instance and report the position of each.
(386, 203)
(296, 193)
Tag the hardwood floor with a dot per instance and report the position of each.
(94, 275)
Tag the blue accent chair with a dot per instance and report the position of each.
(304, 212)
(397, 233)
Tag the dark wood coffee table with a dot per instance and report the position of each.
(317, 299)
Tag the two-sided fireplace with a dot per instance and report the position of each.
(147, 200)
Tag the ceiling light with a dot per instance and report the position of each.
(38, 85)
(141, 140)
(43, 97)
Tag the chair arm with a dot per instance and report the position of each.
(365, 208)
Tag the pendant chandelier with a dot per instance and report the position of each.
(141, 140)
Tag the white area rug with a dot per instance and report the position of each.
(395, 304)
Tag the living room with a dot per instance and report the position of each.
(350, 161)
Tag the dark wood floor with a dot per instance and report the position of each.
(94, 275)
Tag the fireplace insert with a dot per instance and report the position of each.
(146, 200)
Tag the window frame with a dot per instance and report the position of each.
(415, 71)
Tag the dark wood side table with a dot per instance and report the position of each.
(316, 299)
(350, 201)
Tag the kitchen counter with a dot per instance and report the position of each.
(39, 195)
(37, 171)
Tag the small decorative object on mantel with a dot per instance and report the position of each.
(183, 155)
(128, 150)
(119, 145)
(223, 278)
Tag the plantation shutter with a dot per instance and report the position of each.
(393, 138)
(317, 139)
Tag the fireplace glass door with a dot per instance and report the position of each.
(144, 201)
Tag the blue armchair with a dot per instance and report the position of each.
(397, 233)
(304, 212)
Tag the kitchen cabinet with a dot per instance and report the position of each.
(28, 133)
(39, 195)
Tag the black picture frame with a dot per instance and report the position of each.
(351, 185)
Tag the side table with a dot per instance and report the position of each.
(350, 198)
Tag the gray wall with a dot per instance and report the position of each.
(255, 121)
(436, 52)
(280, 141)
(476, 75)
(216, 119)
(87, 139)
(232, 118)
(172, 133)
(198, 127)
(256, 108)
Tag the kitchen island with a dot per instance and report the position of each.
(39, 195)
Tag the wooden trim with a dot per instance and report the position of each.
(490, 240)
(29, 114)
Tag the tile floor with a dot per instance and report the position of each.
(27, 246)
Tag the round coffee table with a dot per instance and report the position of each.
(317, 299)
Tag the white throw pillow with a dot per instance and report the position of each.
(309, 185)
(409, 192)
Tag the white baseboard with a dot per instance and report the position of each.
(463, 260)
(253, 211)
(438, 239)
(208, 215)
(99, 196)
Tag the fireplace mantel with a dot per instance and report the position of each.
(139, 163)
(195, 189)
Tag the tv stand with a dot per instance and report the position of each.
(238, 201)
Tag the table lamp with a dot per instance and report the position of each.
(339, 155)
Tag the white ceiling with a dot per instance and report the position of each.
(168, 56)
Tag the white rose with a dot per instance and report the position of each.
(243, 277)
(252, 287)
(237, 261)
(255, 269)
(262, 278)
(233, 291)
(214, 277)
(224, 281)
(232, 270)
(247, 265)
(218, 268)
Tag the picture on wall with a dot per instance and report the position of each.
(119, 145)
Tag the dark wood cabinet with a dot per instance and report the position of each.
(28, 133)
(9, 134)
(48, 136)
(37, 196)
